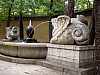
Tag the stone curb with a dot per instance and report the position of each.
(19, 60)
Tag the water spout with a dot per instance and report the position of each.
(30, 24)
(40, 24)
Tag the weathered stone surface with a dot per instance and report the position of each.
(67, 30)
(76, 53)
(12, 33)
(74, 60)
(25, 50)
(30, 52)
(20, 60)
(9, 50)
(97, 21)
(67, 70)
(69, 59)
(22, 44)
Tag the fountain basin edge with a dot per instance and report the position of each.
(71, 59)
(24, 50)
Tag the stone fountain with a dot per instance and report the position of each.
(68, 51)
(30, 32)
(28, 49)
(11, 33)
(69, 31)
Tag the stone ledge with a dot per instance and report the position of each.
(20, 60)
(24, 44)
(25, 50)
(71, 47)
(57, 46)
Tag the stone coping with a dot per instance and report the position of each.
(70, 47)
(66, 47)
(22, 44)
(20, 60)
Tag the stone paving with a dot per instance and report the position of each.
(8, 68)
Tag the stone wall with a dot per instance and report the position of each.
(2, 30)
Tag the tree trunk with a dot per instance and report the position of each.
(9, 13)
(66, 7)
(51, 4)
(21, 30)
(69, 8)
(21, 34)
(50, 25)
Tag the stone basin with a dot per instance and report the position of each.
(70, 59)
(24, 50)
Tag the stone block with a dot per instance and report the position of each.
(9, 50)
(70, 65)
(72, 58)
(55, 52)
(63, 62)
(81, 71)
(76, 55)
(30, 52)
(54, 59)
(50, 51)
(86, 54)
(67, 54)
(67, 59)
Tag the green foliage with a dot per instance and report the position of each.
(83, 4)
(38, 7)
(58, 7)
(30, 7)
(4, 8)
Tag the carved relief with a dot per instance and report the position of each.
(69, 31)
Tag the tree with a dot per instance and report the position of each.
(83, 4)
(30, 8)
(9, 13)
(58, 7)
(21, 32)
(69, 8)
(4, 8)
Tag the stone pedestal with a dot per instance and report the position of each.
(71, 59)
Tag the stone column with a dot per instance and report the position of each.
(97, 33)
(97, 22)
